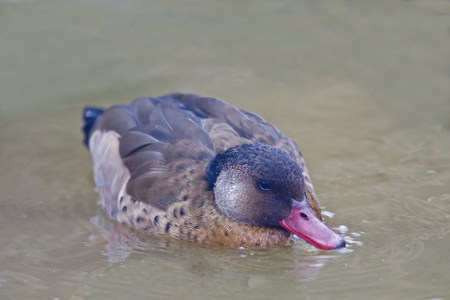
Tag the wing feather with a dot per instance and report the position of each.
(160, 137)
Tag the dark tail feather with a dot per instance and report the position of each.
(90, 115)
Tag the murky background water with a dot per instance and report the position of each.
(362, 86)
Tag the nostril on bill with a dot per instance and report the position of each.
(304, 216)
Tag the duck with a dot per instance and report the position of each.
(198, 168)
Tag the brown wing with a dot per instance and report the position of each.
(163, 136)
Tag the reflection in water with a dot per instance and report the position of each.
(145, 258)
(123, 241)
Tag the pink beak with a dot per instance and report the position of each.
(303, 222)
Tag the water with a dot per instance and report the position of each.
(361, 86)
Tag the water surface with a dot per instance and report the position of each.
(361, 86)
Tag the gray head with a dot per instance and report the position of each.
(255, 183)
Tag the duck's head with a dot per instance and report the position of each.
(260, 185)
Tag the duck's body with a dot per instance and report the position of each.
(199, 169)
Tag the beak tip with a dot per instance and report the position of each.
(341, 244)
(311, 229)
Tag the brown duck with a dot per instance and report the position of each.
(197, 168)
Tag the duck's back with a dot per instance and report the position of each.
(150, 156)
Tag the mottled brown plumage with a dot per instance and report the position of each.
(151, 160)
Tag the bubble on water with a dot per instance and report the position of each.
(342, 229)
(327, 214)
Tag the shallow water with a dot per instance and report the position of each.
(362, 86)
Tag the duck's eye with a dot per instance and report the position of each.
(264, 186)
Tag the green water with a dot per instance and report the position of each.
(362, 86)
